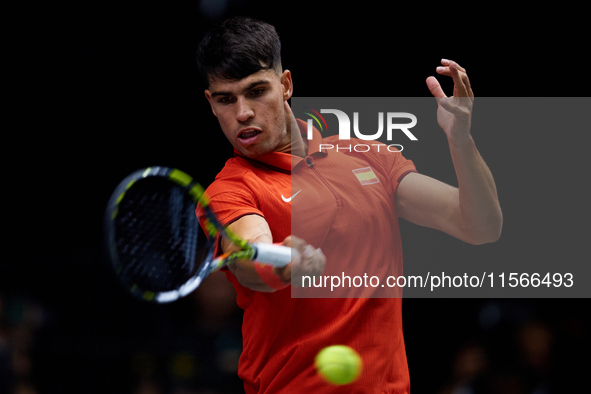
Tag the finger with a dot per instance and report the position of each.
(448, 71)
(308, 252)
(435, 87)
(455, 75)
(313, 261)
(310, 262)
(468, 86)
(320, 261)
(444, 68)
(446, 63)
(460, 89)
(294, 242)
(297, 244)
(287, 241)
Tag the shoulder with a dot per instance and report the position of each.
(231, 195)
(232, 178)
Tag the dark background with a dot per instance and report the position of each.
(95, 90)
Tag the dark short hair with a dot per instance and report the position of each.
(236, 48)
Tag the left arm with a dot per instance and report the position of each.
(470, 212)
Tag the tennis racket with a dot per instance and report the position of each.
(154, 240)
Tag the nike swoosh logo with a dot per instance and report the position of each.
(291, 198)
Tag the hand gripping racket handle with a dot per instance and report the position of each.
(272, 254)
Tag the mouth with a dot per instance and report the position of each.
(248, 135)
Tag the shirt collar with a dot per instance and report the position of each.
(285, 162)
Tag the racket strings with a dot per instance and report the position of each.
(157, 235)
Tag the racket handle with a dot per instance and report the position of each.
(275, 255)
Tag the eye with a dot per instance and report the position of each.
(257, 92)
(225, 100)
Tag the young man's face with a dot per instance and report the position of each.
(251, 111)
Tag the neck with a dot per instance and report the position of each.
(297, 145)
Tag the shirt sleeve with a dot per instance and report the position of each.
(397, 166)
(229, 200)
(231, 206)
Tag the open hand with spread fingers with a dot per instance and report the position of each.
(454, 114)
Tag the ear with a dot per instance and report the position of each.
(210, 100)
(287, 84)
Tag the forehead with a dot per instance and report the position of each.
(223, 85)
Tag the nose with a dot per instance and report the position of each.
(243, 110)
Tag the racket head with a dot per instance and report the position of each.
(153, 238)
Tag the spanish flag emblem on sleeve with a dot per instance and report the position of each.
(366, 175)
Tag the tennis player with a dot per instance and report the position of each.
(248, 92)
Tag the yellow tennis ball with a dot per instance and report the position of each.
(338, 364)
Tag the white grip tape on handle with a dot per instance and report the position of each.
(275, 255)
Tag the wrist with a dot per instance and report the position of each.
(270, 276)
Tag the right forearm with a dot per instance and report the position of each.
(252, 228)
(248, 277)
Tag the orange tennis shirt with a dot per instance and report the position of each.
(343, 202)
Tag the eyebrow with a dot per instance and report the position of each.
(247, 88)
